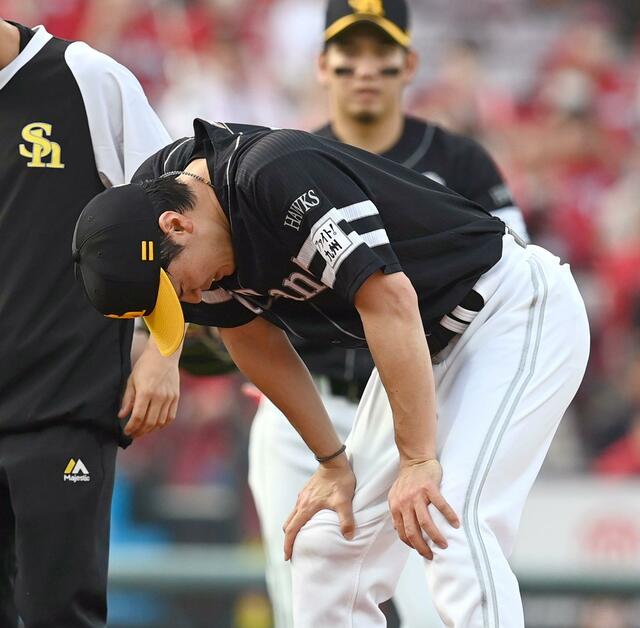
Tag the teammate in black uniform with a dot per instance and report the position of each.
(365, 66)
(73, 121)
(259, 231)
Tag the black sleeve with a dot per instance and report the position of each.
(324, 219)
(478, 177)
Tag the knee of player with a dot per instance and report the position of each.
(320, 542)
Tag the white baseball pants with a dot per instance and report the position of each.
(502, 389)
(279, 466)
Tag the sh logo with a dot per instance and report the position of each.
(40, 147)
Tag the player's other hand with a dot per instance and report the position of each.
(332, 486)
(417, 486)
(152, 392)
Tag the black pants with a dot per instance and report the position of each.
(55, 504)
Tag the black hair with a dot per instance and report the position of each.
(169, 194)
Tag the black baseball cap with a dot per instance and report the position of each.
(116, 246)
(392, 16)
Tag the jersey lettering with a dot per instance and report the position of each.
(298, 287)
(299, 208)
(332, 242)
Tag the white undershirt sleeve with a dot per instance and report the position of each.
(124, 129)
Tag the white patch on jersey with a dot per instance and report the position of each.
(434, 176)
(331, 242)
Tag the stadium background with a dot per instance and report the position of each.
(552, 88)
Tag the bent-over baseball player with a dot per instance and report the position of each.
(258, 231)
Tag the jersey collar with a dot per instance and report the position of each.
(36, 44)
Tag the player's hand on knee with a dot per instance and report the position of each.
(152, 394)
(330, 487)
(417, 486)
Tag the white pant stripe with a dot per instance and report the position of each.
(497, 430)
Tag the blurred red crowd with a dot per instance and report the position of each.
(568, 141)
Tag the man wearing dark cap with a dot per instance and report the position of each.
(366, 63)
(258, 232)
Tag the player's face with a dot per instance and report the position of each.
(207, 255)
(365, 73)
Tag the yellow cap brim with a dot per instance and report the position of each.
(396, 33)
(166, 322)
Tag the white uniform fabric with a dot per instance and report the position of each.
(502, 389)
(280, 464)
(124, 128)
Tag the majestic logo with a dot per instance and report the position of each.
(146, 251)
(37, 147)
(299, 208)
(370, 7)
(76, 471)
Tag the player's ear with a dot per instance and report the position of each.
(322, 68)
(411, 63)
(175, 224)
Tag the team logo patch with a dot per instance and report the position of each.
(370, 7)
(76, 471)
(41, 152)
(299, 208)
(331, 242)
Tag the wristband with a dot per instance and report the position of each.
(331, 456)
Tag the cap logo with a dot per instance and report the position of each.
(370, 7)
(146, 252)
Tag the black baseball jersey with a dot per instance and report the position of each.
(64, 138)
(458, 162)
(311, 219)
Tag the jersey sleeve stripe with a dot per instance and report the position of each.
(375, 238)
(358, 210)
